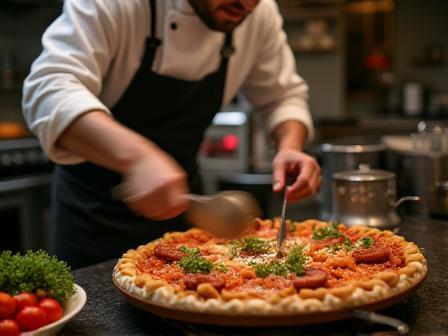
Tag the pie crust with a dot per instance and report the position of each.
(350, 283)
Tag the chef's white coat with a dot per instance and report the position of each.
(92, 51)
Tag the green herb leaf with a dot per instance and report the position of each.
(348, 245)
(190, 251)
(365, 242)
(325, 232)
(254, 245)
(34, 271)
(274, 267)
(220, 268)
(295, 260)
(193, 262)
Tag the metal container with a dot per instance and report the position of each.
(421, 173)
(346, 154)
(366, 197)
(439, 201)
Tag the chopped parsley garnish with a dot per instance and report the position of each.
(251, 245)
(294, 263)
(295, 260)
(254, 245)
(193, 262)
(365, 242)
(188, 250)
(274, 267)
(348, 245)
(220, 268)
(325, 232)
(36, 271)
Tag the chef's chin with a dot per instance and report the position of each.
(222, 24)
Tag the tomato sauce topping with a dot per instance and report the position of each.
(242, 278)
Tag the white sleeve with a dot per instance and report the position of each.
(273, 86)
(66, 79)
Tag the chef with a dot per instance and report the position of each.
(122, 94)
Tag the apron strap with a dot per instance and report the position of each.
(152, 42)
(228, 49)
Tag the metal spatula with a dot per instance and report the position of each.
(225, 214)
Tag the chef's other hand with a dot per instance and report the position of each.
(305, 169)
(155, 186)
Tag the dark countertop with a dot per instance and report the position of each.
(426, 312)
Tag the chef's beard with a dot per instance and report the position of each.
(210, 16)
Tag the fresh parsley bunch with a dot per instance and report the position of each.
(36, 271)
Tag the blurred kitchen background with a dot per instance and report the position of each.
(377, 70)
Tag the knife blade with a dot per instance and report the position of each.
(282, 230)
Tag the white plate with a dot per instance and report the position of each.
(73, 307)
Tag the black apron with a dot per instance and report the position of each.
(90, 226)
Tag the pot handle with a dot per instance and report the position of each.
(406, 198)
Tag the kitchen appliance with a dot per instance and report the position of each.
(22, 156)
(225, 148)
(367, 197)
(420, 162)
(25, 175)
(346, 154)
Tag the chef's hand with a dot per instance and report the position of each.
(304, 169)
(154, 186)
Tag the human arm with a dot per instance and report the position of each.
(62, 107)
(153, 183)
(280, 95)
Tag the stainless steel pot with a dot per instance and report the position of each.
(421, 173)
(346, 154)
(439, 203)
(366, 197)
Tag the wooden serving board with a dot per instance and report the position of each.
(246, 320)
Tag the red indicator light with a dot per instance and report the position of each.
(230, 142)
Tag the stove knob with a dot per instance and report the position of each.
(33, 157)
(18, 159)
(5, 159)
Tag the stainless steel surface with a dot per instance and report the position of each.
(439, 203)
(401, 327)
(346, 154)
(366, 197)
(419, 173)
(282, 230)
(225, 214)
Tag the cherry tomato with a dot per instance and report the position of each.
(52, 308)
(9, 328)
(7, 306)
(31, 318)
(25, 299)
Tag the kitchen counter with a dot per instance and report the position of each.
(426, 311)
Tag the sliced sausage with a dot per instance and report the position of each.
(168, 252)
(312, 278)
(372, 255)
(192, 281)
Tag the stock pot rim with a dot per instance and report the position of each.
(337, 148)
(364, 176)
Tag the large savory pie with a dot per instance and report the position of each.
(323, 267)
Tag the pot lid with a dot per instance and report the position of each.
(354, 145)
(364, 173)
